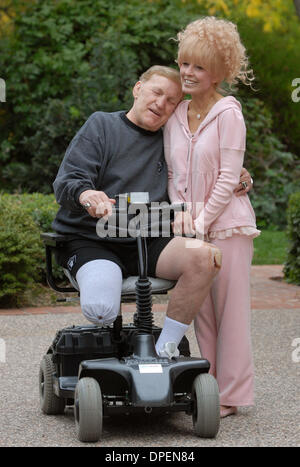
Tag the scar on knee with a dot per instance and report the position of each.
(217, 259)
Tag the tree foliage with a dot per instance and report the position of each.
(273, 167)
(64, 59)
(274, 14)
(297, 6)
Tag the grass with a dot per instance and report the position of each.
(270, 247)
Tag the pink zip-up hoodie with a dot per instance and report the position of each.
(204, 168)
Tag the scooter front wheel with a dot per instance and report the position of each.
(206, 410)
(88, 410)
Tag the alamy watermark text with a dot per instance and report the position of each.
(2, 90)
(296, 92)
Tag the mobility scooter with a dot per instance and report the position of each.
(109, 370)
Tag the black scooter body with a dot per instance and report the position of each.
(119, 370)
(130, 373)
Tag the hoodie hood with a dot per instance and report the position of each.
(228, 102)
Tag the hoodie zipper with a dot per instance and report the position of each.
(190, 138)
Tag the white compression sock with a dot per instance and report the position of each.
(173, 331)
(100, 284)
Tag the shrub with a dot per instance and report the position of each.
(274, 169)
(22, 257)
(292, 265)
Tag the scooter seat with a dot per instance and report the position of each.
(158, 285)
(128, 286)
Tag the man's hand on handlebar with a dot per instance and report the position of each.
(97, 203)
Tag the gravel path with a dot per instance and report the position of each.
(274, 421)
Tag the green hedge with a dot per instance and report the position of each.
(292, 265)
(22, 257)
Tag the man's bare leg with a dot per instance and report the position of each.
(194, 269)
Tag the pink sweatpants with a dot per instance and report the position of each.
(223, 324)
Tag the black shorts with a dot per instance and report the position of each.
(78, 252)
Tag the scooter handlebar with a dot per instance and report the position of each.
(163, 208)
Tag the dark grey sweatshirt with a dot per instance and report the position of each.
(111, 154)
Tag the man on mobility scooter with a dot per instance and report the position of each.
(116, 153)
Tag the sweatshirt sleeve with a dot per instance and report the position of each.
(80, 167)
(172, 191)
(232, 134)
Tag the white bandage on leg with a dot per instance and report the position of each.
(100, 284)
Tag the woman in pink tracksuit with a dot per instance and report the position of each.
(204, 148)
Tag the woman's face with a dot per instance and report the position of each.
(195, 79)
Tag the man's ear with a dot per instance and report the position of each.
(136, 89)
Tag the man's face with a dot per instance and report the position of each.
(154, 102)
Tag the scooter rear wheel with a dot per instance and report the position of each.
(206, 412)
(49, 402)
(88, 410)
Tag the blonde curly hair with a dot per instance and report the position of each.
(215, 45)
